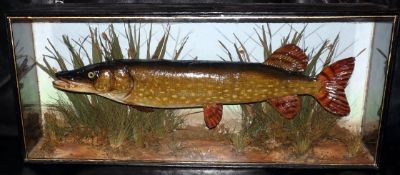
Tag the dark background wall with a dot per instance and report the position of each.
(9, 145)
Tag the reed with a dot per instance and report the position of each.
(117, 122)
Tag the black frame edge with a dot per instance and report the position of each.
(387, 115)
(202, 9)
(165, 10)
(10, 55)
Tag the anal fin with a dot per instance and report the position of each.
(212, 115)
(288, 106)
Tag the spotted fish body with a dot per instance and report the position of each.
(166, 84)
(147, 84)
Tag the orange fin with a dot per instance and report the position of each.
(288, 106)
(212, 115)
(143, 109)
(333, 81)
(289, 57)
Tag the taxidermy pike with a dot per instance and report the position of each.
(147, 84)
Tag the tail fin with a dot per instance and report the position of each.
(334, 80)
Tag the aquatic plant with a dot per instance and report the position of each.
(354, 145)
(54, 128)
(115, 121)
(239, 141)
(261, 122)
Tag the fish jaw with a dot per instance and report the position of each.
(74, 86)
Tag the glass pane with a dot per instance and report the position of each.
(146, 109)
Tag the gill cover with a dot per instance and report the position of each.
(117, 80)
(104, 81)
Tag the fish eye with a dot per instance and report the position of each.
(91, 75)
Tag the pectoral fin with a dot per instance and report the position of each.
(143, 109)
(212, 115)
(288, 106)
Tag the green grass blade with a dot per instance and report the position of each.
(220, 57)
(311, 68)
(131, 41)
(116, 51)
(161, 47)
(263, 43)
(226, 50)
(270, 38)
(164, 48)
(104, 44)
(76, 58)
(298, 36)
(149, 42)
(331, 50)
(182, 45)
(57, 55)
(81, 47)
(241, 59)
(96, 50)
(245, 56)
(137, 54)
(47, 68)
(285, 40)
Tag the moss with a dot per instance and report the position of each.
(54, 128)
(354, 145)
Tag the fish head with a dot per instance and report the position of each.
(108, 81)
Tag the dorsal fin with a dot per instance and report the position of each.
(289, 57)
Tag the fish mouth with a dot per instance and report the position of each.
(73, 86)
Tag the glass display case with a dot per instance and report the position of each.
(159, 86)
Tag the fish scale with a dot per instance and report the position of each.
(194, 86)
